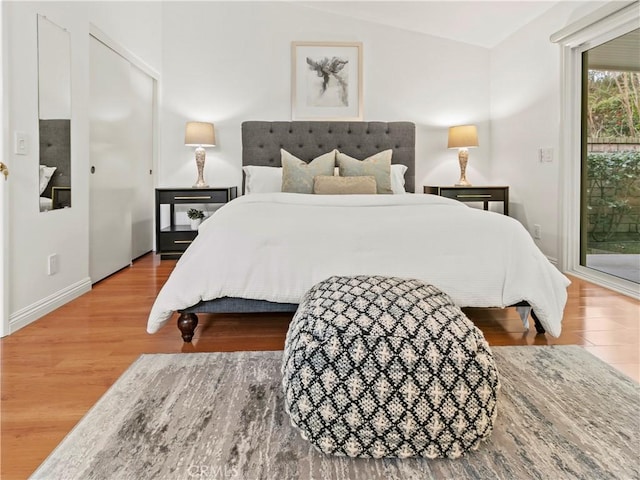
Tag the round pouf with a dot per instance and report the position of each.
(387, 367)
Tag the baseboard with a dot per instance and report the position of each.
(33, 312)
(625, 287)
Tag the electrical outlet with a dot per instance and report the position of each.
(53, 264)
(537, 232)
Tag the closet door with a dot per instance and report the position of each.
(111, 159)
(142, 207)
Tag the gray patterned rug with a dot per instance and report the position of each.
(562, 414)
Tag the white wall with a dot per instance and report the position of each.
(34, 235)
(227, 62)
(525, 116)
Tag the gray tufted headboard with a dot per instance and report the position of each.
(262, 141)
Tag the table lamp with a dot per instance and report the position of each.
(200, 135)
(462, 137)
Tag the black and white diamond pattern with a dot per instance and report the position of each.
(387, 367)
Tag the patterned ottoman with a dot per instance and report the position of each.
(387, 367)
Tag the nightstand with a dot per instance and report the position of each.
(173, 240)
(473, 194)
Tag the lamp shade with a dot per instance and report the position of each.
(200, 134)
(463, 136)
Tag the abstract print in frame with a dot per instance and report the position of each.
(326, 81)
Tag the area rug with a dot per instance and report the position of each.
(562, 414)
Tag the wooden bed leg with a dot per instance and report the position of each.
(539, 328)
(187, 323)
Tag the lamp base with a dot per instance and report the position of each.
(463, 157)
(200, 158)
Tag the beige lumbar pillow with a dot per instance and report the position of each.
(378, 166)
(332, 185)
(297, 175)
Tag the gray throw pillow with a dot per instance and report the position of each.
(297, 175)
(378, 166)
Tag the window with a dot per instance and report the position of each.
(580, 52)
(610, 144)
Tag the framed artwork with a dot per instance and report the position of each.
(326, 81)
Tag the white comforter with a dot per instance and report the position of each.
(276, 246)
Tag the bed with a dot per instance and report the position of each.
(263, 251)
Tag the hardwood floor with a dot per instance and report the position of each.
(55, 369)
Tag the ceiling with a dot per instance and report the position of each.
(481, 23)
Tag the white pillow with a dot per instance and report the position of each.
(262, 179)
(397, 178)
(45, 175)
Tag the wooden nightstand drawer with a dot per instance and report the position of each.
(473, 194)
(194, 196)
(176, 241)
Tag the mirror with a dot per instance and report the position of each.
(54, 115)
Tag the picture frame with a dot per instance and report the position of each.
(326, 81)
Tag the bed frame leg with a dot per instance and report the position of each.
(187, 323)
(539, 328)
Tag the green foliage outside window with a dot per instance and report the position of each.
(613, 192)
(614, 104)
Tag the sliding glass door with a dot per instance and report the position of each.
(610, 155)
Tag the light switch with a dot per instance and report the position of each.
(21, 143)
